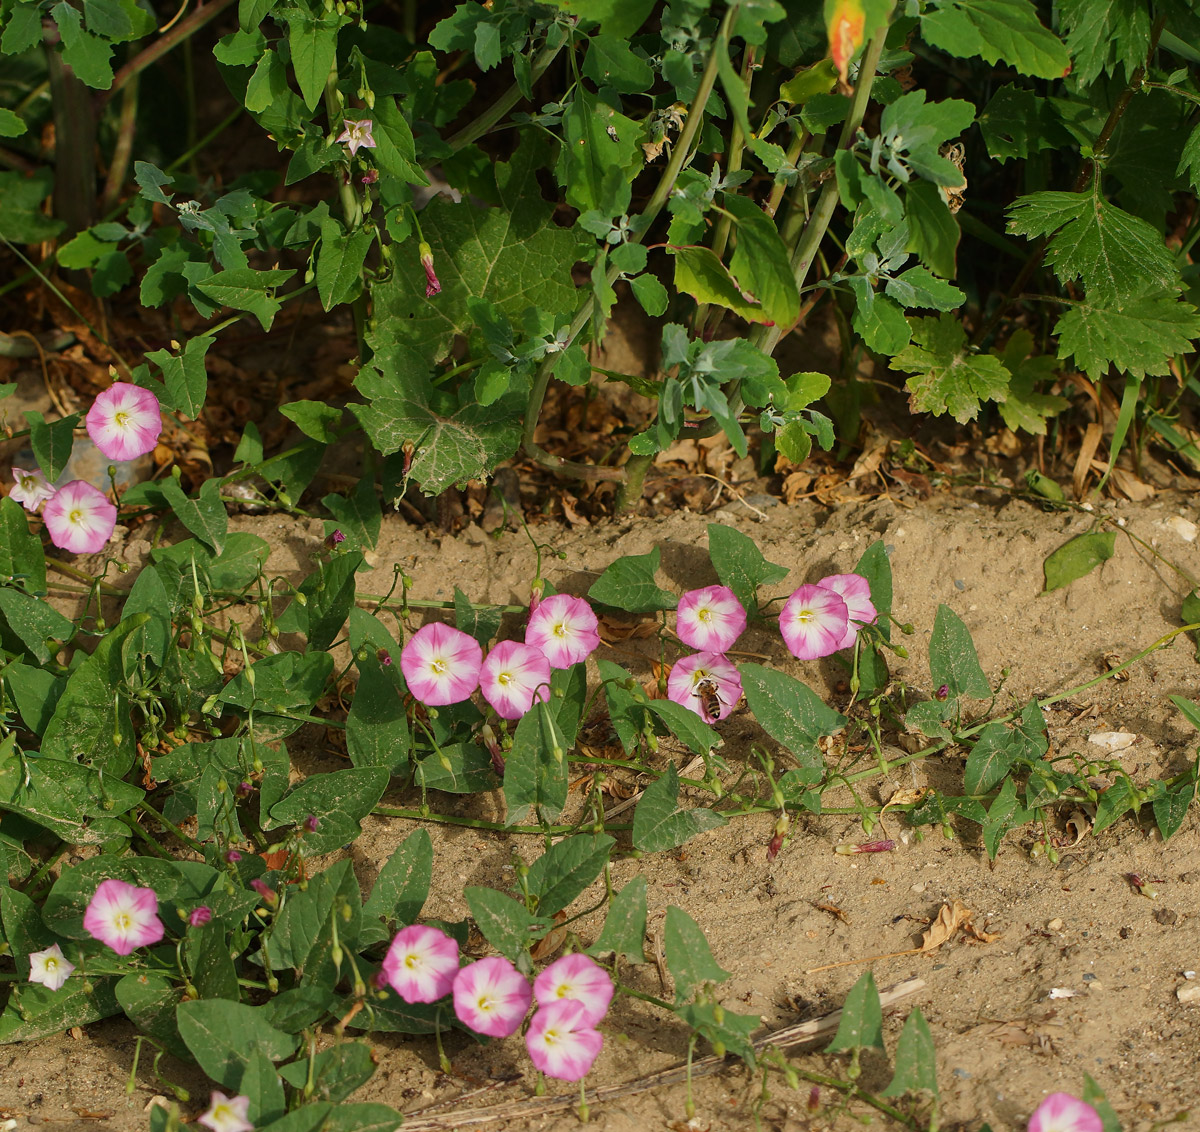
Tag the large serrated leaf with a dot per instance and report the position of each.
(1139, 338)
(996, 30)
(949, 377)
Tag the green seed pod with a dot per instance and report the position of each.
(1052, 855)
(719, 1014)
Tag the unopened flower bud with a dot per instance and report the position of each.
(200, 916)
(432, 285)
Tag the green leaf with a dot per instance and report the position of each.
(861, 1023)
(1094, 1095)
(952, 658)
(204, 516)
(1189, 159)
(628, 583)
(1105, 34)
(222, 1036)
(1172, 808)
(377, 731)
(340, 799)
(761, 263)
(1118, 256)
(303, 935)
(1025, 408)
(535, 778)
(313, 44)
(1080, 556)
(330, 593)
(245, 289)
(86, 54)
(689, 958)
(38, 1012)
(461, 768)
(685, 725)
(566, 870)
(950, 378)
(624, 929)
(1138, 337)
(504, 922)
(400, 890)
(599, 156)
(996, 30)
(336, 1072)
(52, 443)
(340, 262)
(792, 714)
(92, 722)
(918, 287)
(395, 151)
(1003, 814)
(1018, 123)
(732, 1031)
(21, 218)
(659, 823)
(699, 273)
(991, 758)
(185, 376)
(149, 1001)
(1189, 613)
(35, 622)
(314, 418)
(209, 960)
(916, 1059)
(23, 29)
(21, 553)
(610, 62)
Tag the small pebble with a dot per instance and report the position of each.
(1112, 740)
(1166, 916)
(1055, 925)
(1189, 994)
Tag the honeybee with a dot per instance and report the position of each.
(708, 692)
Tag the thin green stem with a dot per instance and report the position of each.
(479, 823)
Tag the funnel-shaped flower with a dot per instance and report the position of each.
(357, 135)
(706, 683)
(711, 618)
(491, 996)
(580, 978)
(227, 1114)
(29, 489)
(123, 916)
(421, 963)
(1061, 1112)
(855, 591)
(513, 676)
(441, 664)
(564, 628)
(124, 421)
(80, 518)
(560, 1042)
(813, 622)
(50, 967)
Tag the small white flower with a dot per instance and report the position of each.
(50, 967)
(29, 489)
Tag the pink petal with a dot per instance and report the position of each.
(711, 618)
(441, 664)
(421, 963)
(855, 591)
(564, 628)
(813, 622)
(512, 677)
(580, 978)
(79, 518)
(692, 680)
(491, 996)
(559, 1043)
(123, 916)
(125, 421)
(1061, 1112)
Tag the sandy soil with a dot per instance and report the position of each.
(1002, 1042)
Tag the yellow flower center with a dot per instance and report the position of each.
(805, 616)
(51, 964)
(75, 516)
(122, 921)
(438, 666)
(412, 962)
(504, 678)
(560, 630)
(704, 615)
(121, 419)
(485, 1003)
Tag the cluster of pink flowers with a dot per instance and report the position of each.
(444, 665)
(492, 997)
(819, 620)
(124, 422)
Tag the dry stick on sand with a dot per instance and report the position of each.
(701, 1067)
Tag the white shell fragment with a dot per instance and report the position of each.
(1184, 528)
(1112, 740)
(1062, 992)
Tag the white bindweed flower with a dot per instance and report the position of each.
(50, 967)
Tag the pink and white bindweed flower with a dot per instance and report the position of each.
(30, 489)
(441, 664)
(1061, 1112)
(357, 135)
(227, 1114)
(855, 591)
(513, 676)
(80, 518)
(123, 916)
(706, 683)
(50, 967)
(124, 421)
(560, 1042)
(580, 978)
(421, 964)
(813, 622)
(491, 996)
(564, 628)
(711, 618)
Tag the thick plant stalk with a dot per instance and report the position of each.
(122, 150)
(74, 144)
